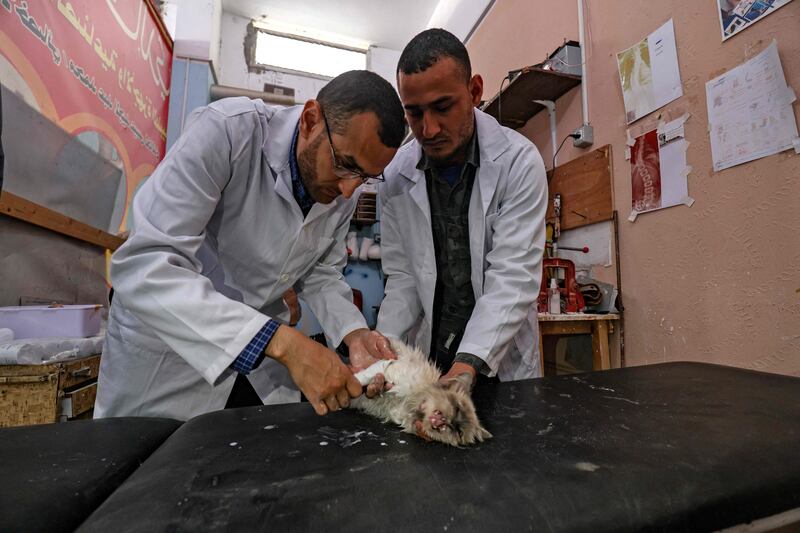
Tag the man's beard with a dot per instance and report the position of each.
(458, 154)
(307, 164)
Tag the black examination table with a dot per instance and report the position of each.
(667, 447)
(53, 476)
(678, 446)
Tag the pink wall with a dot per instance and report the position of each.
(718, 282)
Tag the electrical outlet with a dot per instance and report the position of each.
(585, 136)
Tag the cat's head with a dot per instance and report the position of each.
(446, 414)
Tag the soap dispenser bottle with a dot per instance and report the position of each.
(554, 298)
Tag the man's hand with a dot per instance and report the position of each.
(366, 348)
(317, 371)
(460, 375)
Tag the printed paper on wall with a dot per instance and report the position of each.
(649, 73)
(750, 111)
(658, 169)
(736, 15)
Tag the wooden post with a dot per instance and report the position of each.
(601, 359)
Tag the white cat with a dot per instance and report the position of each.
(443, 412)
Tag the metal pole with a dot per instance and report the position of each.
(223, 91)
(551, 110)
(584, 77)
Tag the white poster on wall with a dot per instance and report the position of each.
(750, 111)
(736, 15)
(649, 74)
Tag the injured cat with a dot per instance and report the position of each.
(443, 412)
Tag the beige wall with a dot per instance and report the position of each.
(718, 282)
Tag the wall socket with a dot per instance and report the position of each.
(585, 136)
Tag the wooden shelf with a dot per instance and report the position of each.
(22, 209)
(366, 209)
(577, 317)
(532, 83)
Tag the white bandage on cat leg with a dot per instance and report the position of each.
(366, 376)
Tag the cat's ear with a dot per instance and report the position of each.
(460, 383)
(483, 434)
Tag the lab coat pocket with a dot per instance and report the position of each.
(130, 332)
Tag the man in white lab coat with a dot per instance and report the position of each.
(252, 200)
(462, 223)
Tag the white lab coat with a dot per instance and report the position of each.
(218, 238)
(507, 235)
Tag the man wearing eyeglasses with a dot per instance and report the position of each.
(251, 201)
(462, 223)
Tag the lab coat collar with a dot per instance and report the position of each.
(278, 141)
(492, 142)
(277, 146)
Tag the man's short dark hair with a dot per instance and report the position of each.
(361, 91)
(429, 47)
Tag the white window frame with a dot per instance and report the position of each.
(295, 37)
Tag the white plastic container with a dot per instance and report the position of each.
(554, 298)
(41, 322)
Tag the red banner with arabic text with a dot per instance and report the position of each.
(93, 65)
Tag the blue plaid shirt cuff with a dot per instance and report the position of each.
(252, 354)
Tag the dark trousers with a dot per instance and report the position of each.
(243, 394)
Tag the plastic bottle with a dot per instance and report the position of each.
(554, 298)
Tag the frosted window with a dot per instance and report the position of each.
(305, 56)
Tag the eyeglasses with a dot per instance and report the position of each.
(341, 171)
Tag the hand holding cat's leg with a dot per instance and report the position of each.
(367, 375)
(455, 376)
(318, 372)
(377, 386)
(373, 379)
(339, 400)
(367, 347)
